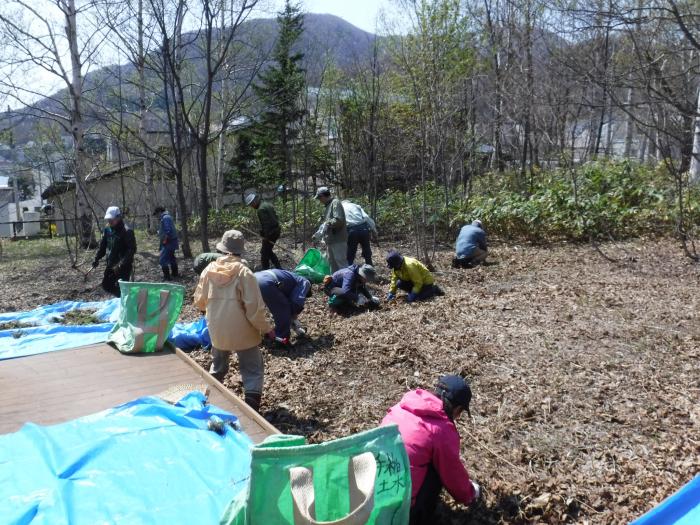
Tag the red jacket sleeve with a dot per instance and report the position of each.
(448, 463)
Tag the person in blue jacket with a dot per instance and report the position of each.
(348, 287)
(471, 249)
(169, 243)
(285, 295)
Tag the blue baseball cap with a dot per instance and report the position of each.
(456, 390)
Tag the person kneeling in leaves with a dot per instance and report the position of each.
(410, 275)
(285, 295)
(229, 294)
(348, 287)
(426, 423)
(471, 249)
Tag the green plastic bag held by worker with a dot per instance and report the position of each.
(147, 314)
(364, 479)
(313, 266)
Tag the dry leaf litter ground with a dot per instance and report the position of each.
(585, 371)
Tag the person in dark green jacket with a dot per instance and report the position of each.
(270, 230)
(119, 245)
(203, 259)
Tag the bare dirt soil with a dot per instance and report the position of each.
(586, 371)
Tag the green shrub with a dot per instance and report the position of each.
(598, 200)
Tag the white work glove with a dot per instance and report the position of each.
(320, 233)
(361, 301)
(477, 490)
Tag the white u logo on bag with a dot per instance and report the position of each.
(362, 475)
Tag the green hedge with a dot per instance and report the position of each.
(611, 199)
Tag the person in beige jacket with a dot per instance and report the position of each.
(229, 294)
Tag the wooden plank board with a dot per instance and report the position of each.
(59, 386)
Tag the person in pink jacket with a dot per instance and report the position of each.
(426, 423)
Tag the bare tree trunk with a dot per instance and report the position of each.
(629, 124)
(87, 234)
(219, 187)
(530, 89)
(143, 116)
(694, 175)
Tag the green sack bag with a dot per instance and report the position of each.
(364, 479)
(147, 314)
(313, 266)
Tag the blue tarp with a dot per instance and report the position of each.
(47, 336)
(192, 335)
(682, 508)
(47, 314)
(145, 462)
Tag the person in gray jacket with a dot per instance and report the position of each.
(333, 230)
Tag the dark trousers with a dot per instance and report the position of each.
(266, 253)
(280, 307)
(110, 280)
(475, 258)
(423, 512)
(428, 290)
(168, 261)
(359, 235)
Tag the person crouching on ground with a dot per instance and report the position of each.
(169, 243)
(229, 294)
(285, 295)
(410, 275)
(348, 287)
(426, 423)
(119, 244)
(470, 249)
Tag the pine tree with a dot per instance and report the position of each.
(279, 91)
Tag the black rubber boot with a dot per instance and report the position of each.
(253, 399)
(175, 270)
(166, 273)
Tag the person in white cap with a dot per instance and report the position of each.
(229, 294)
(471, 248)
(270, 230)
(119, 244)
(333, 230)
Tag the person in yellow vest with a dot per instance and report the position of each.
(410, 275)
(229, 294)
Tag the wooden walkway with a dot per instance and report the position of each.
(59, 386)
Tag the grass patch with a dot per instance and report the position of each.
(14, 325)
(25, 248)
(79, 318)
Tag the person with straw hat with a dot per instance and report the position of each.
(229, 294)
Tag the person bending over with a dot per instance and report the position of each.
(410, 275)
(471, 248)
(426, 422)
